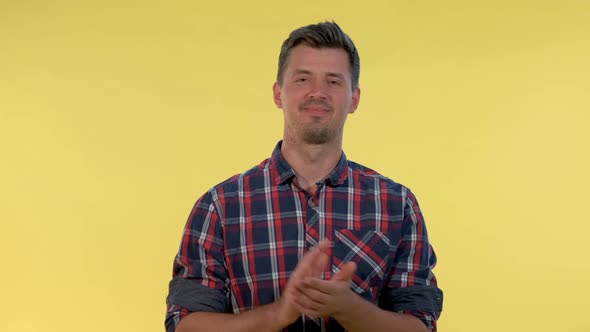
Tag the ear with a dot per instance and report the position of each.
(356, 98)
(276, 94)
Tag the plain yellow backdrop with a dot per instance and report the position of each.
(116, 115)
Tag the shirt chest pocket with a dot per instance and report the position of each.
(370, 251)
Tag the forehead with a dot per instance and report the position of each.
(303, 57)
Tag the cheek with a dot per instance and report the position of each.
(291, 102)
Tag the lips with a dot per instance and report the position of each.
(316, 110)
(316, 107)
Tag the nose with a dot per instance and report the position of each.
(317, 90)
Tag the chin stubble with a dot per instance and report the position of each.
(316, 135)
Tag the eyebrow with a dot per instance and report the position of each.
(307, 72)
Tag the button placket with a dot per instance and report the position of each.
(312, 218)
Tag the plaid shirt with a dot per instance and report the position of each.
(246, 235)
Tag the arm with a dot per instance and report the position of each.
(365, 316)
(198, 298)
(264, 319)
(409, 301)
(267, 318)
(335, 298)
(199, 275)
(411, 287)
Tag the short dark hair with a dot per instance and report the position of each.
(321, 35)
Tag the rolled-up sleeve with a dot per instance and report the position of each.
(410, 286)
(200, 277)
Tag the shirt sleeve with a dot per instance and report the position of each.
(200, 277)
(410, 286)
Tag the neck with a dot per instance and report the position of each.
(311, 162)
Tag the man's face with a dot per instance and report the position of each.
(316, 95)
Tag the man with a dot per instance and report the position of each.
(307, 240)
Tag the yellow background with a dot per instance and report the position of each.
(116, 115)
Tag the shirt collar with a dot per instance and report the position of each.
(284, 172)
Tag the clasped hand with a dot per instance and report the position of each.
(308, 294)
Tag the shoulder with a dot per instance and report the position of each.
(367, 177)
(241, 182)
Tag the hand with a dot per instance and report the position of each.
(312, 265)
(323, 298)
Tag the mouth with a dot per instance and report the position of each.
(316, 110)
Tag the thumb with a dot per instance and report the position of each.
(346, 272)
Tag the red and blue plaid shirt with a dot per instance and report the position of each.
(245, 236)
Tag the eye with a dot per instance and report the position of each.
(301, 79)
(334, 82)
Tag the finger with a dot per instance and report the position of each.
(321, 259)
(327, 287)
(346, 272)
(306, 304)
(313, 310)
(324, 245)
(319, 249)
(309, 310)
(312, 294)
(305, 267)
(310, 313)
(320, 264)
(315, 261)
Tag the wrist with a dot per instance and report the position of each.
(351, 310)
(276, 316)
